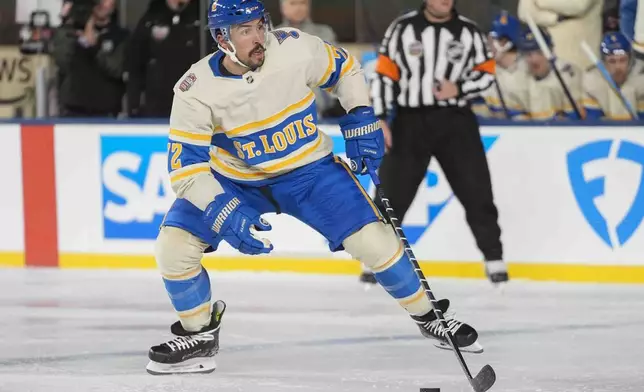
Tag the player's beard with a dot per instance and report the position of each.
(253, 65)
(619, 76)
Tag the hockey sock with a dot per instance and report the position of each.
(398, 278)
(190, 296)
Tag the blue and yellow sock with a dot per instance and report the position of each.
(398, 278)
(190, 295)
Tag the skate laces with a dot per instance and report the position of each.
(187, 342)
(435, 327)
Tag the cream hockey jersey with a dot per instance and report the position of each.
(256, 127)
(507, 79)
(544, 99)
(601, 102)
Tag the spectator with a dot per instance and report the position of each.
(297, 14)
(164, 45)
(599, 99)
(568, 21)
(89, 49)
(540, 95)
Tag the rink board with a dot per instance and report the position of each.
(570, 199)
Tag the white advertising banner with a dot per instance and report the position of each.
(564, 194)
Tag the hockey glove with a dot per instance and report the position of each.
(234, 222)
(364, 139)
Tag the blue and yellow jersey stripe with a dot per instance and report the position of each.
(544, 115)
(496, 108)
(187, 154)
(190, 137)
(340, 62)
(271, 121)
(219, 162)
(593, 108)
(274, 142)
(183, 173)
(263, 149)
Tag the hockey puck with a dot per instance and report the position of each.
(430, 390)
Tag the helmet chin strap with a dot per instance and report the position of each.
(232, 54)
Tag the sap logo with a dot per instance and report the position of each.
(136, 186)
(607, 179)
(433, 195)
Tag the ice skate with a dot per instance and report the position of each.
(497, 272)
(466, 337)
(189, 352)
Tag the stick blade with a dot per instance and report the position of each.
(484, 380)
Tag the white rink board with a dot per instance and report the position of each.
(12, 238)
(117, 208)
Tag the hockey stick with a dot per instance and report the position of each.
(486, 377)
(609, 79)
(551, 57)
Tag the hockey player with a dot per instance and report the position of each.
(600, 102)
(244, 142)
(504, 37)
(541, 96)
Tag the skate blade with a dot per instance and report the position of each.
(500, 287)
(191, 366)
(474, 348)
(368, 286)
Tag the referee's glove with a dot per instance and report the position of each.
(363, 137)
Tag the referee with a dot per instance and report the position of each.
(431, 62)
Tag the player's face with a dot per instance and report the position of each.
(439, 8)
(537, 63)
(296, 11)
(249, 39)
(617, 65)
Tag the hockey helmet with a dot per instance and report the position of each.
(506, 26)
(528, 42)
(223, 14)
(615, 43)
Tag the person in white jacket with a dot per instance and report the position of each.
(568, 21)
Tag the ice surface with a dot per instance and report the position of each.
(65, 330)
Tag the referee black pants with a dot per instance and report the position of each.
(452, 136)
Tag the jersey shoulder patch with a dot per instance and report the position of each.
(187, 82)
(283, 34)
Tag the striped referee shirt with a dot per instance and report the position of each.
(416, 53)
